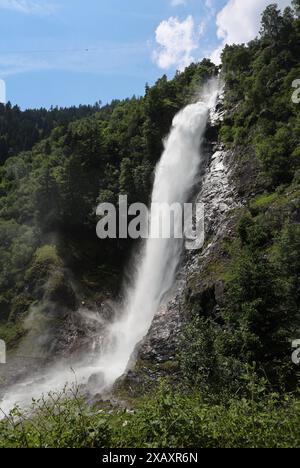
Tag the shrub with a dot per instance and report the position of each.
(181, 420)
(164, 419)
(55, 421)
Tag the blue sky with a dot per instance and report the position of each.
(65, 52)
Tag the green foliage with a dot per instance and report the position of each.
(11, 332)
(47, 279)
(165, 419)
(226, 134)
(174, 419)
(17, 245)
(259, 317)
(60, 420)
(276, 153)
(263, 201)
(197, 358)
(47, 200)
(21, 130)
(272, 23)
(259, 80)
(47, 256)
(45, 260)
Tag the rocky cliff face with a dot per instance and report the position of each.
(156, 355)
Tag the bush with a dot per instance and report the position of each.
(163, 419)
(56, 421)
(180, 420)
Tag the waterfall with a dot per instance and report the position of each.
(175, 177)
(155, 268)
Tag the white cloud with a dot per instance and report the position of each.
(176, 42)
(239, 22)
(31, 7)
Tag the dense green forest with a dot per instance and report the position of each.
(20, 131)
(240, 355)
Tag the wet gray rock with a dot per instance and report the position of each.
(161, 342)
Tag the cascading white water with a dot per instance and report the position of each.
(176, 175)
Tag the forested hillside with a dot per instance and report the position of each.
(258, 263)
(235, 385)
(49, 195)
(21, 130)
